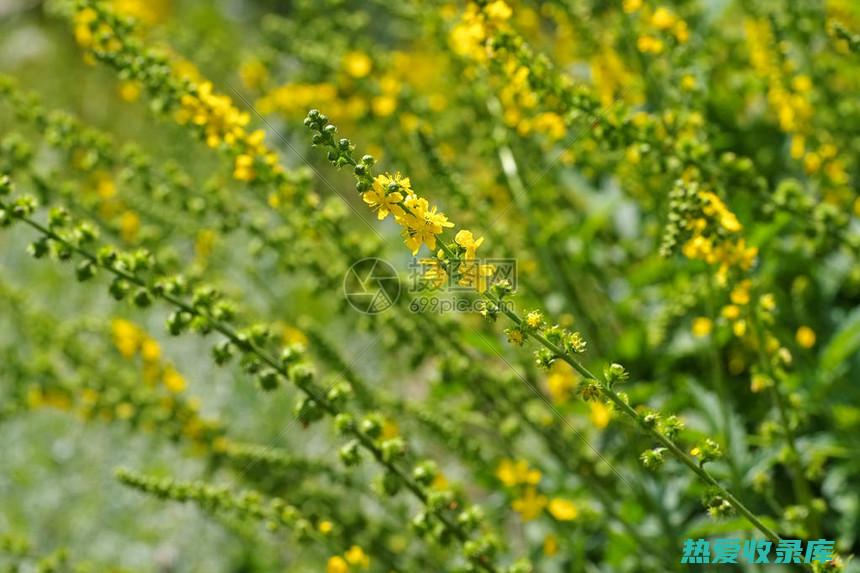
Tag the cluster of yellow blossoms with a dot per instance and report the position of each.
(530, 503)
(791, 104)
(662, 21)
(147, 11)
(470, 37)
(294, 99)
(223, 123)
(131, 340)
(421, 223)
(215, 115)
(788, 95)
(728, 253)
(353, 557)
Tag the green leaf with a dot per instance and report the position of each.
(844, 344)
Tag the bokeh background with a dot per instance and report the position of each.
(583, 216)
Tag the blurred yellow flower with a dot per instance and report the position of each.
(550, 545)
(805, 337)
(513, 473)
(173, 380)
(599, 414)
(357, 64)
(702, 326)
(530, 504)
(337, 564)
(357, 556)
(562, 509)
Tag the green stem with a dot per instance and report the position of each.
(798, 480)
(670, 445)
(275, 364)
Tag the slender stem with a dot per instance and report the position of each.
(670, 445)
(274, 363)
(798, 481)
(722, 393)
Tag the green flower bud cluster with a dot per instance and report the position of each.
(273, 512)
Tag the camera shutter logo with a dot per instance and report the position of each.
(371, 285)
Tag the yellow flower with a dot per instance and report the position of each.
(550, 545)
(421, 223)
(562, 509)
(515, 336)
(812, 162)
(467, 37)
(552, 124)
(253, 74)
(498, 10)
(513, 473)
(384, 201)
(439, 482)
(805, 337)
(561, 381)
(129, 225)
(730, 222)
(325, 527)
(357, 556)
(798, 146)
(150, 350)
(105, 187)
(173, 380)
(731, 312)
(534, 319)
(292, 335)
(759, 382)
(124, 411)
(383, 105)
(740, 294)
(600, 414)
(83, 33)
(688, 82)
(802, 83)
(663, 18)
(702, 326)
(243, 169)
(35, 397)
(126, 337)
(649, 44)
(530, 504)
(357, 64)
(631, 6)
(739, 327)
(466, 240)
(698, 247)
(337, 564)
(129, 90)
(681, 31)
